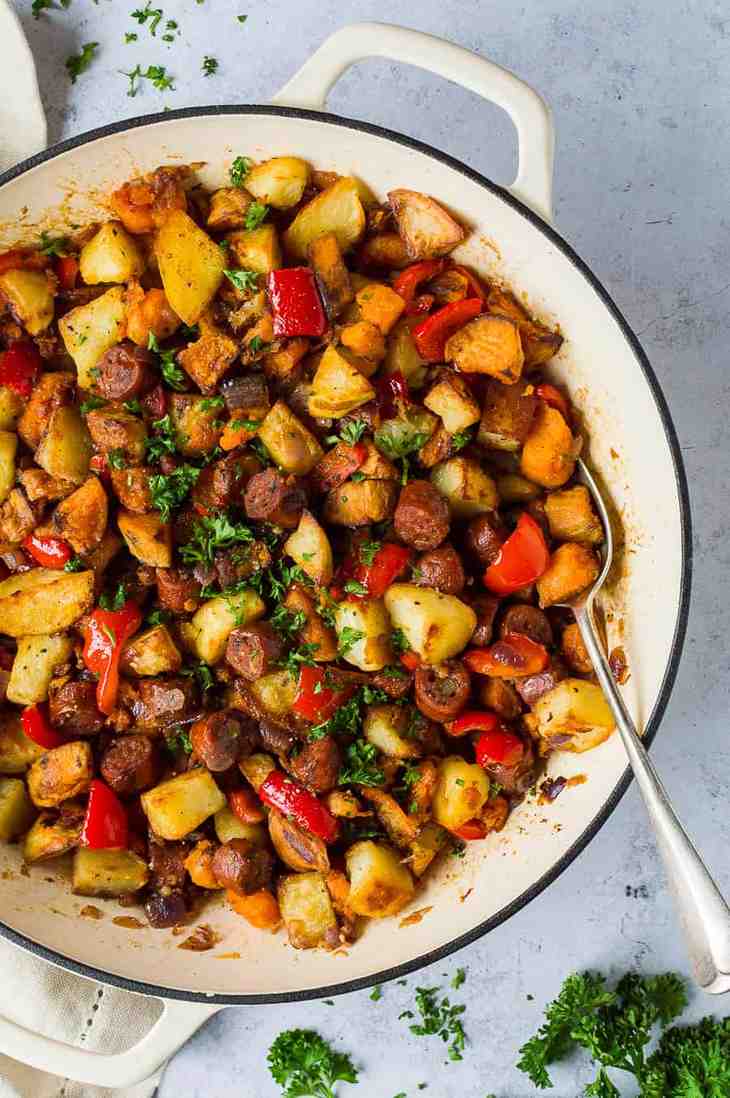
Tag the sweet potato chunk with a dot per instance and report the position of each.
(333, 277)
(380, 305)
(506, 416)
(488, 345)
(314, 631)
(571, 516)
(425, 227)
(572, 568)
(81, 518)
(549, 452)
(539, 343)
(51, 391)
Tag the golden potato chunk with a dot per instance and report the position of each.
(148, 538)
(191, 265)
(424, 226)
(64, 451)
(112, 255)
(61, 773)
(360, 503)
(338, 386)
(35, 661)
(576, 709)
(16, 810)
(176, 807)
(278, 182)
(310, 548)
(436, 626)
(337, 209)
(82, 517)
(462, 790)
(88, 331)
(108, 873)
(31, 296)
(228, 209)
(507, 415)
(51, 836)
(292, 445)
(307, 911)
(452, 400)
(571, 516)
(17, 751)
(380, 884)
(152, 652)
(44, 601)
(487, 345)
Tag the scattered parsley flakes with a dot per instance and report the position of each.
(39, 6)
(377, 993)
(115, 601)
(150, 15)
(158, 617)
(75, 564)
(241, 18)
(354, 587)
(210, 68)
(243, 280)
(351, 433)
(460, 440)
(179, 740)
(439, 1019)
(360, 766)
(79, 63)
(256, 214)
(168, 492)
(458, 978)
(53, 245)
(116, 459)
(303, 1063)
(156, 74)
(91, 404)
(210, 534)
(368, 551)
(203, 675)
(208, 404)
(240, 168)
(164, 441)
(399, 642)
(348, 638)
(288, 623)
(130, 36)
(298, 657)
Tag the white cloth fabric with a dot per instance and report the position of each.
(69, 1008)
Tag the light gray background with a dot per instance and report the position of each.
(640, 95)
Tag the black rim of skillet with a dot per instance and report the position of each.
(680, 629)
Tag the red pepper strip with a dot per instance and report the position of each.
(38, 728)
(67, 271)
(410, 279)
(431, 334)
(315, 700)
(337, 465)
(106, 634)
(475, 286)
(392, 389)
(420, 305)
(498, 746)
(512, 657)
(106, 826)
(244, 804)
(47, 551)
(282, 792)
(388, 563)
(552, 396)
(522, 559)
(20, 367)
(17, 258)
(295, 303)
(410, 660)
(472, 829)
(473, 720)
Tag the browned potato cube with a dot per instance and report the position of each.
(116, 430)
(51, 391)
(281, 365)
(207, 360)
(571, 516)
(132, 488)
(506, 416)
(538, 342)
(228, 208)
(61, 773)
(81, 518)
(488, 345)
(425, 226)
(292, 445)
(549, 452)
(148, 538)
(333, 276)
(360, 503)
(452, 400)
(364, 338)
(197, 428)
(572, 568)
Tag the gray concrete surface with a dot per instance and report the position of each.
(639, 92)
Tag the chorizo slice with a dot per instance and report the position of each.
(126, 371)
(242, 867)
(216, 739)
(297, 848)
(130, 764)
(272, 497)
(528, 620)
(252, 649)
(317, 765)
(72, 707)
(421, 515)
(442, 690)
(441, 568)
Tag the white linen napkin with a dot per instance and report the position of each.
(73, 1009)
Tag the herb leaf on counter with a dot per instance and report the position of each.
(79, 62)
(304, 1064)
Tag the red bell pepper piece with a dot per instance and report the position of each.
(388, 563)
(106, 826)
(522, 559)
(552, 396)
(431, 334)
(410, 660)
(283, 793)
(38, 728)
(391, 390)
(244, 804)
(498, 746)
(315, 700)
(295, 303)
(473, 720)
(106, 634)
(512, 657)
(20, 367)
(337, 465)
(67, 271)
(410, 279)
(48, 551)
(472, 829)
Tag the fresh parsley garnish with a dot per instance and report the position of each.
(209, 404)
(351, 433)
(91, 404)
(114, 601)
(368, 551)
(156, 74)
(439, 1018)
(376, 994)
(150, 15)
(75, 564)
(360, 766)
(302, 1063)
(133, 407)
(164, 441)
(459, 978)
(255, 215)
(179, 740)
(240, 168)
(460, 440)
(115, 459)
(241, 18)
(210, 534)
(130, 36)
(348, 638)
(45, 5)
(288, 623)
(158, 617)
(242, 279)
(79, 62)
(171, 373)
(168, 492)
(347, 719)
(210, 68)
(354, 587)
(298, 657)
(203, 675)
(256, 345)
(399, 642)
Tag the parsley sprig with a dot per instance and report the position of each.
(211, 533)
(302, 1063)
(360, 766)
(79, 62)
(168, 492)
(242, 279)
(171, 372)
(240, 168)
(164, 441)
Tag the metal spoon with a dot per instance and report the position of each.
(704, 915)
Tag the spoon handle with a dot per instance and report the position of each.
(704, 915)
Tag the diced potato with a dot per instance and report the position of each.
(256, 768)
(360, 503)
(428, 843)
(344, 804)
(88, 331)
(314, 631)
(176, 807)
(207, 359)
(17, 519)
(51, 836)
(424, 225)
(53, 389)
(278, 182)
(35, 662)
(333, 276)
(282, 365)
(228, 209)
(152, 652)
(436, 626)
(469, 489)
(506, 416)
(512, 488)
(16, 810)
(576, 709)
(337, 210)
(386, 727)
(114, 429)
(310, 548)
(61, 773)
(11, 407)
(363, 632)
(307, 910)
(380, 884)
(461, 792)
(81, 518)
(31, 297)
(206, 635)
(197, 427)
(112, 255)
(452, 399)
(148, 538)
(380, 305)
(571, 516)
(191, 265)
(65, 448)
(488, 345)
(376, 465)
(108, 873)
(292, 446)
(338, 387)
(256, 249)
(400, 828)
(572, 568)
(401, 356)
(275, 692)
(228, 826)
(199, 864)
(8, 449)
(44, 601)
(17, 751)
(549, 452)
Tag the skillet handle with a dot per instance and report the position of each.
(530, 114)
(124, 1069)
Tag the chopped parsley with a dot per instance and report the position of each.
(302, 1063)
(241, 18)
(288, 623)
(459, 978)
(210, 534)
(114, 601)
(399, 642)
(348, 638)
(115, 459)
(79, 62)
(169, 491)
(360, 766)
(148, 15)
(133, 407)
(210, 68)
(354, 587)
(368, 551)
(164, 441)
(203, 675)
(242, 279)
(45, 5)
(208, 404)
(130, 36)
(377, 993)
(351, 433)
(75, 564)
(91, 404)
(158, 617)
(256, 214)
(460, 440)
(171, 373)
(53, 245)
(298, 657)
(438, 1019)
(257, 345)
(179, 740)
(347, 718)
(240, 168)
(156, 74)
